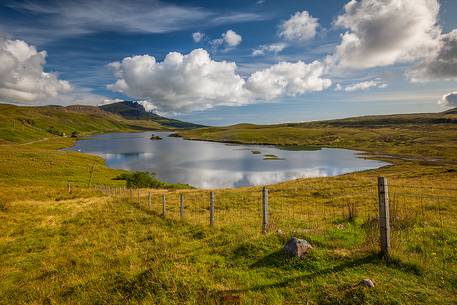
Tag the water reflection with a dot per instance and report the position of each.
(216, 165)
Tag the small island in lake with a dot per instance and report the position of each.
(154, 137)
(272, 157)
(174, 135)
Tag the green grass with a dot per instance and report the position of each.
(27, 124)
(87, 247)
(425, 137)
(105, 251)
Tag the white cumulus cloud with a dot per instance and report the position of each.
(288, 79)
(229, 39)
(365, 85)
(300, 27)
(194, 81)
(22, 78)
(180, 82)
(274, 48)
(449, 100)
(441, 64)
(386, 32)
(198, 36)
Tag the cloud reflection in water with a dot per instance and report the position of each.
(217, 165)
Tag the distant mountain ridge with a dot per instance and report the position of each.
(451, 111)
(133, 111)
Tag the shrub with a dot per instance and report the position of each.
(140, 180)
(147, 180)
(54, 131)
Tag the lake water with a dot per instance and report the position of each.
(218, 165)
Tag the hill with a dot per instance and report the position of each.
(451, 111)
(428, 136)
(25, 124)
(373, 121)
(134, 111)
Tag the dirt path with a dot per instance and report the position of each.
(28, 143)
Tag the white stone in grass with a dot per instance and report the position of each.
(367, 283)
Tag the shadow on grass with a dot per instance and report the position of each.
(278, 259)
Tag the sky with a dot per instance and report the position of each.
(227, 62)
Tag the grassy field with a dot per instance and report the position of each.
(425, 137)
(92, 247)
(29, 124)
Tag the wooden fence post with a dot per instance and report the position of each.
(211, 208)
(181, 208)
(384, 218)
(131, 195)
(164, 208)
(265, 210)
(149, 200)
(91, 175)
(139, 198)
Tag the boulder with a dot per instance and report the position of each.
(367, 283)
(297, 247)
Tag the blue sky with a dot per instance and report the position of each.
(83, 38)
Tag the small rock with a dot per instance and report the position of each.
(297, 247)
(341, 226)
(367, 283)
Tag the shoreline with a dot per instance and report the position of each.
(358, 153)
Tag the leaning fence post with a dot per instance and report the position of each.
(384, 218)
(211, 208)
(181, 208)
(149, 200)
(265, 210)
(164, 209)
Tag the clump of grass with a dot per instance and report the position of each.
(3, 205)
(344, 294)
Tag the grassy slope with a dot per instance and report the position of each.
(98, 251)
(26, 124)
(422, 136)
(60, 248)
(31, 156)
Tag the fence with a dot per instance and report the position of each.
(414, 223)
